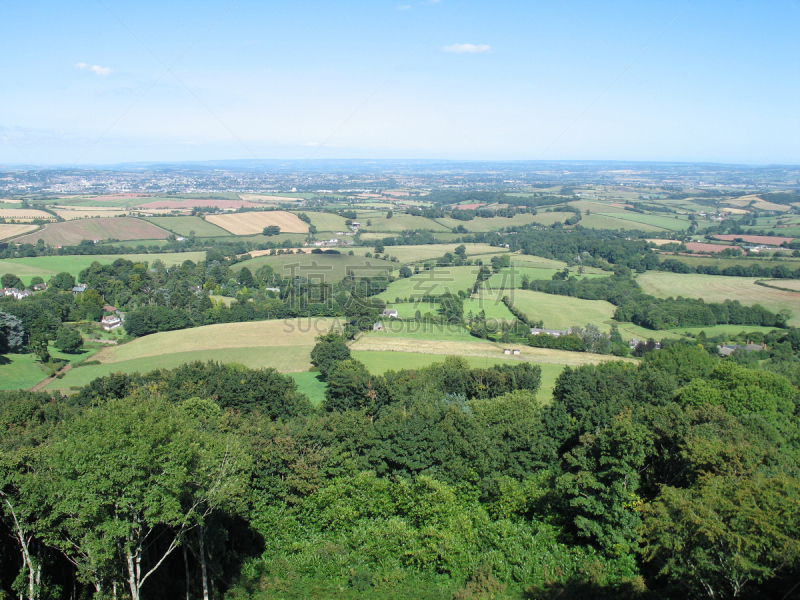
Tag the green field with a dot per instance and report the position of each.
(185, 225)
(421, 330)
(326, 221)
(434, 282)
(421, 253)
(492, 306)
(329, 268)
(562, 312)
(722, 263)
(407, 310)
(398, 223)
(511, 277)
(638, 220)
(311, 386)
(23, 371)
(381, 362)
(47, 266)
(597, 221)
(20, 371)
(717, 288)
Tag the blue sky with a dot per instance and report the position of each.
(110, 80)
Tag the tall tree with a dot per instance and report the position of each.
(128, 481)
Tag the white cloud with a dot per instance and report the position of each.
(96, 69)
(468, 48)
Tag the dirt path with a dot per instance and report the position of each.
(41, 384)
(114, 342)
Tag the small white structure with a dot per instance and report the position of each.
(507, 351)
(516, 352)
(391, 313)
(377, 327)
(110, 322)
(553, 332)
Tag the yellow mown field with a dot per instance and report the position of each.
(9, 231)
(25, 214)
(83, 213)
(252, 223)
(483, 349)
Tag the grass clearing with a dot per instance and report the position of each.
(311, 386)
(718, 288)
(185, 225)
(433, 282)
(71, 233)
(251, 223)
(511, 277)
(562, 312)
(25, 214)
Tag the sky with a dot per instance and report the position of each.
(109, 81)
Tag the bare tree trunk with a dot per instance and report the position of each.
(186, 569)
(203, 564)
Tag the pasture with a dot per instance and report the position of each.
(511, 278)
(328, 268)
(491, 305)
(607, 221)
(421, 253)
(251, 223)
(71, 233)
(185, 225)
(433, 282)
(717, 288)
(8, 231)
(282, 345)
(562, 312)
(399, 223)
(327, 221)
(672, 223)
(47, 266)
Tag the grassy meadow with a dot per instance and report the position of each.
(327, 267)
(717, 288)
(47, 266)
(283, 345)
(433, 282)
(562, 312)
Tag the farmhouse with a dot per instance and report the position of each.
(553, 332)
(377, 327)
(40, 286)
(731, 348)
(79, 289)
(18, 294)
(111, 322)
(389, 313)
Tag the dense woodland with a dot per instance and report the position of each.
(677, 476)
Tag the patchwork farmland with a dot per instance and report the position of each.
(251, 223)
(71, 233)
